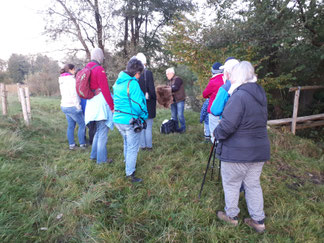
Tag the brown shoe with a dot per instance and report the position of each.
(260, 228)
(222, 216)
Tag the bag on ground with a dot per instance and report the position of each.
(83, 83)
(168, 126)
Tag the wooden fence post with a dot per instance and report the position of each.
(27, 102)
(23, 105)
(3, 95)
(294, 118)
(18, 87)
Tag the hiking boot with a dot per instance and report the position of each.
(72, 147)
(257, 225)
(222, 216)
(134, 179)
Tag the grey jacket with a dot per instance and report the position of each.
(242, 132)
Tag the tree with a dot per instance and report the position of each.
(87, 22)
(43, 78)
(142, 20)
(18, 67)
(283, 39)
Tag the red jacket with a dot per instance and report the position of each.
(212, 88)
(98, 79)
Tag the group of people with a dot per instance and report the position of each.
(234, 115)
(237, 123)
(131, 108)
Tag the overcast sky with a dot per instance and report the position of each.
(22, 25)
(21, 29)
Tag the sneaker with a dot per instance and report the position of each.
(72, 147)
(222, 216)
(134, 179)
(257, 225)
(83, 146)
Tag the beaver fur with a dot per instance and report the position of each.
(164, 95)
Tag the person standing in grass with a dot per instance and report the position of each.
(99, 108)
(179, 97)
(146, 83)
(70, 105)
(130, 104)
(204, 118)
(210, 92)
(243, 146)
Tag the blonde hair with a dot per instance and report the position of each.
(243, 73)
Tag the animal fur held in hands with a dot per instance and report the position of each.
(164, 95)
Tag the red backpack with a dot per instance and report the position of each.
(83, 83)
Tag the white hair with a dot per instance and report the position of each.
(243, 73)
(228, 67)
(140, 56)
(170, 70)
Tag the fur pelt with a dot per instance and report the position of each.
(164, 95)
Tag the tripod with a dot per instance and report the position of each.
(211, 155)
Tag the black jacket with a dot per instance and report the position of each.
(146, 83)
(242, 131)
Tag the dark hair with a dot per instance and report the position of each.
(134, 66)
(66, 68)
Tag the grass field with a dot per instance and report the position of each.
(51, 194)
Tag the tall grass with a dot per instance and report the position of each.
(51, 194)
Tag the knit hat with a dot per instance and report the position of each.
(216, 68)
(97, 55)
(140, 56)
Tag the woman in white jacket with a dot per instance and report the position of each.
(70, 105)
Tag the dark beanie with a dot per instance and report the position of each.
(215, 68)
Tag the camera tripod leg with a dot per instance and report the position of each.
(219, 170)
(210, 156)
(213, 166)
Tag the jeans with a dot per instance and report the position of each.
(206, 129)
(73, 116)
(146, 135)
(213, 123)
(131, 145)
(99, 144)
(177, 112)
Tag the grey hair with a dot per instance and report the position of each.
(243, 73)
(170, 70)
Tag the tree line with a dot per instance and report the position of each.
(283, 39)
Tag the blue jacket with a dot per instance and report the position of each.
(203, 112)
(242, 132)
(221, 98)
(128, 107)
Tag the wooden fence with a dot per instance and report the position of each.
(23, 96)
(300, 122)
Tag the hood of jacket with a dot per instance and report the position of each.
(256, 91)
(124, 77)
